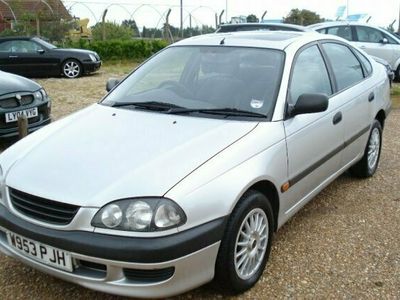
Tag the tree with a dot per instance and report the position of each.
(252, 19)
(113, 30)
(302, 17)
(131, 24)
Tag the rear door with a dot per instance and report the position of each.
(314, 141)
(376, 43)
(356, 94)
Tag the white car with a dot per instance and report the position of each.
(184, 171)
(374, 40)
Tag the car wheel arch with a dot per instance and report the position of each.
(381, 116)
(269, 190)
(74, 59)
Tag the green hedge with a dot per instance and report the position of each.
(122, 49)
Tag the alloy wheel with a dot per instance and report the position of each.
(72, 69)
(251, 243)
(374, 148)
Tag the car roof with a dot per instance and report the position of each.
(259, 39)
(339, 23)
(12, 38)
(266, 25)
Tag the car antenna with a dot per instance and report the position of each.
(222, 42)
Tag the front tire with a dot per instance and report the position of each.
(368, 165)
(72, 68)
(246, 244)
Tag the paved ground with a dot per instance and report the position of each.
(344, 244)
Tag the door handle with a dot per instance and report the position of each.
(371, 97)
(13, 56)
(337, 118)
(363, 47)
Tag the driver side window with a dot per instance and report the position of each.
(309, 75)
(25, 47)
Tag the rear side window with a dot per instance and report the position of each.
(309, 75)
(346, 67)
(369, 35)
(6, 46)
(367, 65)
(342, 31)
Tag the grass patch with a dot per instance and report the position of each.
(122, 67)
(395, 92)
(395, 89)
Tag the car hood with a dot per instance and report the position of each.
(105, 153)
(10, 83)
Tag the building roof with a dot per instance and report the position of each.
(11, 9)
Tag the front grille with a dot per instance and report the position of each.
(149, 276)
(13, 102)
(42, 209)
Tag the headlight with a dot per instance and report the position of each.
(41, 95)
(147, 214)
(92, 57)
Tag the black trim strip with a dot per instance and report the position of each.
(323, 160)
(120, 248)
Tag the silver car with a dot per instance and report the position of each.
(374, 40)
(183, 173)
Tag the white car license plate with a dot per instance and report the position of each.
(43, 253)
(29, 113)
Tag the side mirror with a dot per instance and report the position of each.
(40, 51)
(111, 83)
(384, 41)
(309, 103)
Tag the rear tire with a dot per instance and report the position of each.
(368, 165)
(246, 244)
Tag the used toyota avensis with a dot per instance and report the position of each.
(185, 170)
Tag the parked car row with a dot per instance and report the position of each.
(382, 45)
(185, 170)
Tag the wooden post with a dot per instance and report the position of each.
(37, 25)
(22, 126)
(103, 25)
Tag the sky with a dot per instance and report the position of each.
(149, 13)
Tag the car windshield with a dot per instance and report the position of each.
(44, 43)
(206, 80)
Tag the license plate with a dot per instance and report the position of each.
(29, 113)
(40, 252)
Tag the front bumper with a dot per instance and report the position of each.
(90, 67)
(101, 261)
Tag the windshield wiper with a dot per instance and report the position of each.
(228, 111)
(151, 105)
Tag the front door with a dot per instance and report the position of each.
(314, 141)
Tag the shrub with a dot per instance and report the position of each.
(122, 49)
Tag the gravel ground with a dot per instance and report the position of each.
(343, 244)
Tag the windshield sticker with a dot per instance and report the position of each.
(256, 103)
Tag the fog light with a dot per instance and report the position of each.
(112, 216)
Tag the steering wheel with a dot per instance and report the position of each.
(178, 87)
